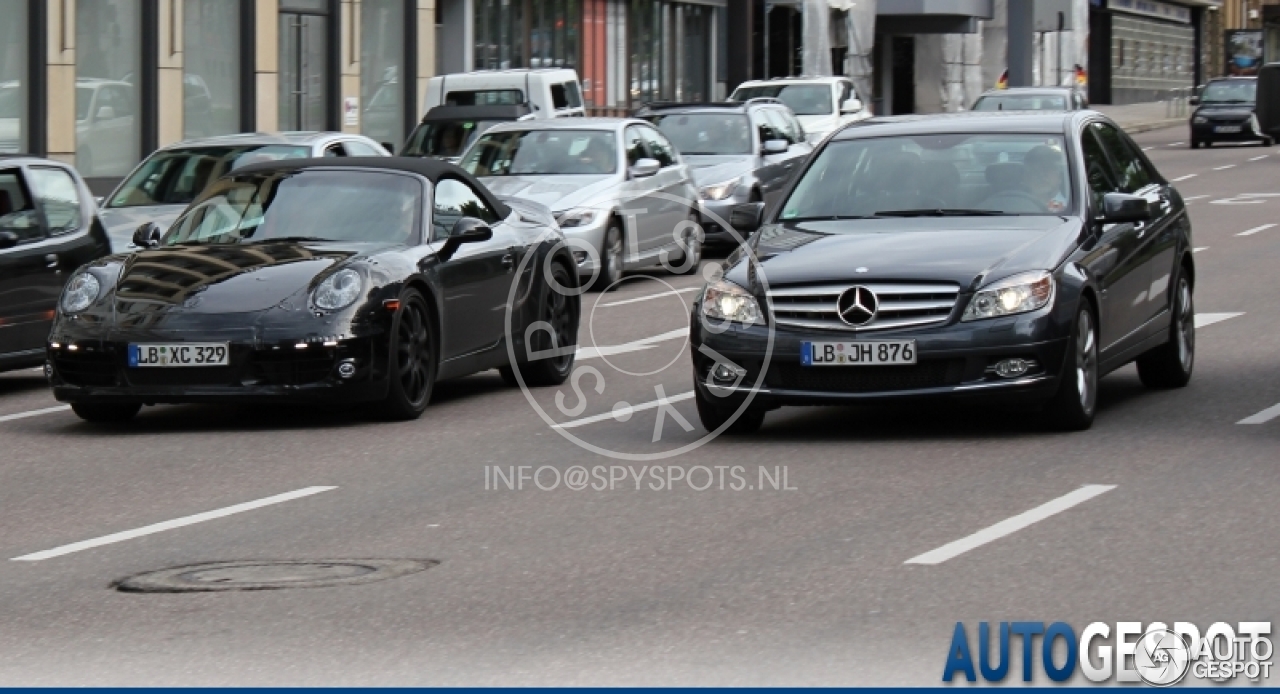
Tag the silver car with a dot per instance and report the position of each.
(163, 184)
(615, 184)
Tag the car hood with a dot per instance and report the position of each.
(121, 222)
(709, 169)
(559, 193)
(968, 251)
(1225, 110)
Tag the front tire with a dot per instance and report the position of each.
(411, 367)
(1072, 408)
(561, 312)
(1170, 365)
(610, 258)
(693, 244)
(106, 413)
(714, 415)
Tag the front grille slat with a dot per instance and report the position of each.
(901, 305)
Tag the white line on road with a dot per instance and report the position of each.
(1255, 230)
(34, 413)
(627, 411)
(1191, 198)
(1262, 417)
(1011, 525)
(1197, 249)
(1203, 319)
(1223, 168)
(636, 346)
(1183, 178)
(1147, 149)
(1175, 144)
(1257, 158)
(647, 297)
(170, 525)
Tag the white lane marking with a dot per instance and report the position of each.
(1192, 198)
(1223, 168)
(34, 413)
(1255, 230)
(647, 297)
(1197, 249)
(1011, 525)
(1183, 178)
(1147, 149)
(636, 346)
(170, 525)
(1203, 319)
(1175, 144)
(1262, 417)
(626, 411)
(1257, 158)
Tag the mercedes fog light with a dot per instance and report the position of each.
(1012, 368)
(347, 369)
(727, 373)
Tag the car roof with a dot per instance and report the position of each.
(1030, 90)
(492, 111)
(808, 79)
(295, 137)
(431, 169)
(707, 106)
(1047, 122)
(24, 158)
(566, 124)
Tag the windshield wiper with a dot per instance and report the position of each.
(285, 239)
(1228, 101)
(941, 212)
(829, 217)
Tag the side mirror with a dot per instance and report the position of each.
(645, 168)
(747, 216)
(8, 239)
(465, 230)
(1121, 208)
(105, 113)
(851, 106)
(147, 235)
(1194, 101)
(775, 146)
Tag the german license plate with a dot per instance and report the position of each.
(1227, 129)
(181, 354)
(860, 353)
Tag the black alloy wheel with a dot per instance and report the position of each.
(1074, 405)
(412, 365)
(106, 413)
(559, 307)
(1170, 365)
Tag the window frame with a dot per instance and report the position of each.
(20, 178)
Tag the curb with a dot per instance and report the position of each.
(1145, 126)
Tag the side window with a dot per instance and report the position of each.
(1132, 172)
(120, 101)
(1097, 168)
(335, 150)
(764, 127)
(558, 98)
(17, 214)
(454, 200)
(634, 143)
(660, 147)
(782, 125)
(846, 92)
(59, 196)
(356, 148)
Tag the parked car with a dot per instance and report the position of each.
(1032, 99)
(1268, 99)
(446, 131)
(168, 180)
(549, 92)
(48, 228)
(739, 152)
(319, 280)
(105, 140)
(589, 171)
(1014, 256)
(822, 104)
(1225, 112)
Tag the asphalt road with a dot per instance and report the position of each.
(804, 581)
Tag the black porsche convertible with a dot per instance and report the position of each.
(359, 280)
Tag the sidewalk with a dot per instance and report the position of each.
(1138, 118)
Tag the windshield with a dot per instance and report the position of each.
(953, 174)
(1231, 92)
(1020, 102)
(707, 133)
(446, 138)
(542, 152)
(176, 177)
(803, 99)
(352, 206)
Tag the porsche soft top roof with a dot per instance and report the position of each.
(431, 169)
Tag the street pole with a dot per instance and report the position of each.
(1021, 28)
(768, 10)
(1062, 23)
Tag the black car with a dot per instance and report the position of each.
(315, 280)
(49, 226)
(1020, 256)
(446, 131)
(1225, 112)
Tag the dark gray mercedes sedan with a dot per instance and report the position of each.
(971, 255)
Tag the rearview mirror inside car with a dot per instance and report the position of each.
(644, 168)
(775, 146)
(147, 235)
(1119, 208)
(747, 216)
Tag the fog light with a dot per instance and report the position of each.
(346, 369)
(1012, 368)
(48, 369)
(727, 373)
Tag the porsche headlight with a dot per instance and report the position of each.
(338, 290)
(719, 191)
(1017, 294)
(727, 301)
(80, 292)
(578, 217)
(1199, 120)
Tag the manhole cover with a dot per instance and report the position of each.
(270, 575)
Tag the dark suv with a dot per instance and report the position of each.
(1226, 113)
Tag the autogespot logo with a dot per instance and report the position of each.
(604, 390)
(1157, 655)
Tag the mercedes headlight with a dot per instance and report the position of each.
(1017, 294)
(726, 301)
(1199, 120)
(338, 290)
(719, 191)
(80, 292)
(578, 217)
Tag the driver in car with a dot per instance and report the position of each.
(1043, 166)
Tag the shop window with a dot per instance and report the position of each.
(13, 76)
(381, 57)
(211, 68)
(108, 62)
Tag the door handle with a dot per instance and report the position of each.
(509, 260)
(51, 261)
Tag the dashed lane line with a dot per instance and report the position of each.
(1251, 232)
(625, 412)
(649, 297)
(636, 346)
(1193, 198)
(1206, 319)
(1257, 158)
(1184, 178)
(34, 413)
(1262, 417)
(1224, 168)
(1197, 249)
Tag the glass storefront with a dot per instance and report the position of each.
(381, 58)
(1149, 57)
(13, 76)
(211, 68)
(552, 39)
(108, 62)
(671, 49)
(499, 33)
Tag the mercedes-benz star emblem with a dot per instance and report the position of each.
(857, 305)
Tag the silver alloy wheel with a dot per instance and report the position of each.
(1086, 361)
(1186, 326)
(693, 242)
(613, 264)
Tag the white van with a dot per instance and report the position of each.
(551, 93)
(821, 103)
